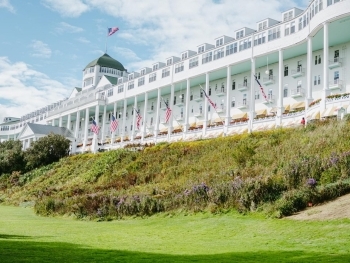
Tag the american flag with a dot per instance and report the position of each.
(261, 88)
(209, 100)
(112, 30)
(138, 120)
(167, 112)
(114, 124)
(94, 128)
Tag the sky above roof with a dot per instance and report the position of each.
(45, 44)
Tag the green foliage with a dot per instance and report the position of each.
(11, 157)
(46, 150)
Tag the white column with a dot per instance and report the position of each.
(156, 130)
(144, 126)
(134, 128)
(86, 128)
(205, 122)
(228, 99)
(280, 109)
(53, 122)
(68, 121)
(309, 71)
(251, 101)
(187, 101)
(76, 132)
(171, 106)
(103, 128)
(124, 120)
(325, 66)
(115, 116)
(94, 146)
(60, 122)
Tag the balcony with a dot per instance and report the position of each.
(179, 117)
(220, 110)
(270, 99)
(243, 87)
(335, 63)
(220, 92)
(269, 80)
(180, 103)
(243, 105)
(298, 92)
(335, 84)
(198, 98)
(296, 73)
(150, 110)
(198, 114)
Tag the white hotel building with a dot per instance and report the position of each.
(302, 63)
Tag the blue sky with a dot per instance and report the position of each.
(45, 44)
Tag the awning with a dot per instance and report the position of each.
(199, 124)
(313, 115)
(329, 112)
(242, 115)
(286, 107)
(177, 129)
(261, 112)
(298, 105)
(273, 110)
(192, 126)
(219, 120)
(164, 130)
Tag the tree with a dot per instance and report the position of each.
(11, 157)
(46, 150)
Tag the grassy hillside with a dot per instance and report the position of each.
(274, 171)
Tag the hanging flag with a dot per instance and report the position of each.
(208, 98)
(94, 128)
(261, 88)
(112, 30)
(114, 124)
(167, 112)
(138, 120)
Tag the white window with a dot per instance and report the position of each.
(285, 91)
(179, 67)
(155, 67)
(219, 42)
(244, 44)
(165, 72)
(239, 34)
(120, 88)
(141, 81)
(143, 72)
(201, 49)
(207, 57)
(274, 33)
(230, 49)
(286, 29)
(184, 56)
(193, 62)
(88, 82)
(169, 62)
(152, 77)
(130, 85)
(131, 76)
(110, 93)
(219, 53)
(259, 39)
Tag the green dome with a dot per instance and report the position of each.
(106, 61)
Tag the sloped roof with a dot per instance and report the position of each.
(106, 61)
(47, 129)
(112, 80)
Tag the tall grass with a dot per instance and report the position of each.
(242, 172)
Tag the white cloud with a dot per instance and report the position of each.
(40, 49)
(24, 90)
(69, 8)
(168, 27)
(65, 27)
(83, 40)
(126, 53)
(6, 4)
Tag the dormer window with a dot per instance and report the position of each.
(169, 62)
(143, 72)
(184, 56)
(288, 16)
(219, 42)
(131, 77)
(155, 67)
(262, 25)
(240, 34)
(201, 49)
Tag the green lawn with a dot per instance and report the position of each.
(25, 237)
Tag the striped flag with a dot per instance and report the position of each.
(112, 30)
(114, 124)
(138, 119)
(261, 88)
(167, 112)
(94, 128)
(208, 98)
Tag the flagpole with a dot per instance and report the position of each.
(175, 118)
(213, 107)
(106, 41)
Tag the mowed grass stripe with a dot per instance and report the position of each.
(25, 237)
